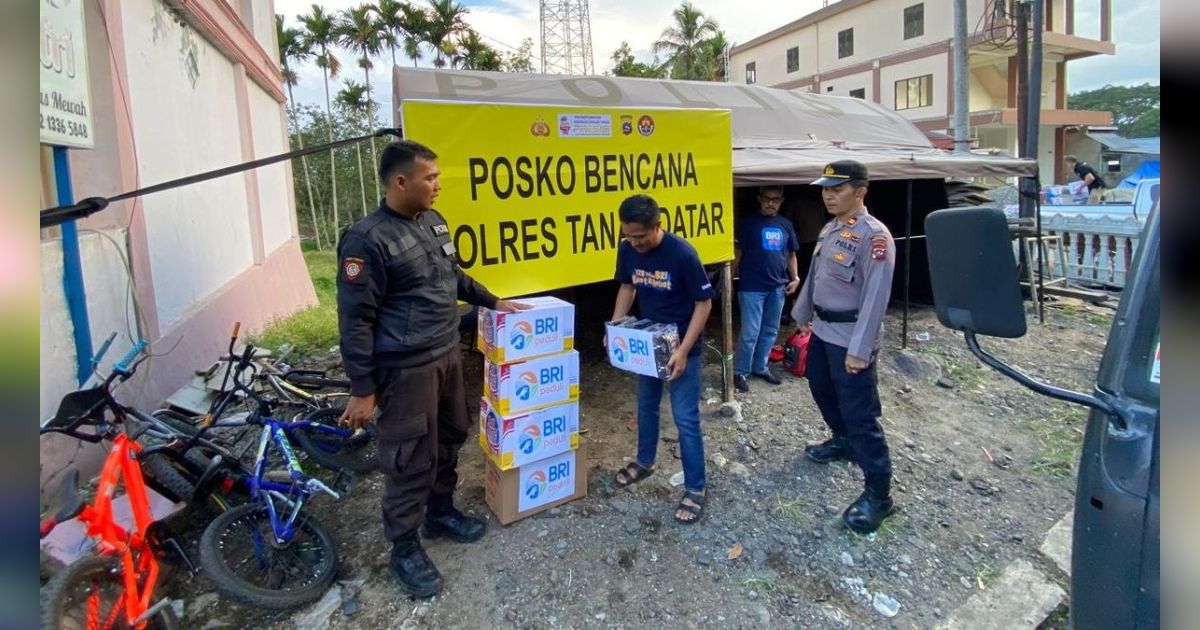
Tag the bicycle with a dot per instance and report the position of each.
(267, 553)
(115, 584)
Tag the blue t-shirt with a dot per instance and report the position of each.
(668, 280)
(767, 244)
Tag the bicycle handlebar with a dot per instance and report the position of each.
(103, 349)
(122, 366)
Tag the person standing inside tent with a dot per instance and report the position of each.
(764, 260)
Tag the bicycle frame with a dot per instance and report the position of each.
(295, 493)
(122, 461)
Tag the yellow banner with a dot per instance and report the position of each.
(531, 192)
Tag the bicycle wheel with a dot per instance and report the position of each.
(90, 594)
(356, 452)
(239, 554)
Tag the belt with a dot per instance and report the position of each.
(836, 317)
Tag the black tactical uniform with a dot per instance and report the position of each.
(398, 286)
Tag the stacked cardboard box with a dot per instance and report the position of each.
(529, 412)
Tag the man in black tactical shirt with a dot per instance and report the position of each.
(398, 286)
(1095, 184)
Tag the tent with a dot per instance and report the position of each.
(779, 136)
(1148, 170)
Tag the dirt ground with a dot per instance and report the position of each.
(983, 468)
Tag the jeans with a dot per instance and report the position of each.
(685, 407)
(760, 325)
(849, 404)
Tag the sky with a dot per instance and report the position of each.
(504, 23)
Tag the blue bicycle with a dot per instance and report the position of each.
(268, 553)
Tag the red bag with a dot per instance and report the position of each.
(795, 353)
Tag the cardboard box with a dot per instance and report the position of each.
(520, 492)
(641, 346)
(514, 440)
(547, 328)
(532, 384)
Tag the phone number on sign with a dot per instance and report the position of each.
(69, 127)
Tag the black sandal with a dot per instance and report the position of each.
(634, 472)
(695, 510)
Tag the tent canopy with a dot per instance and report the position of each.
(1148, 170)
(779, 137)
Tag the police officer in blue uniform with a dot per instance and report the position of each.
(843, 301)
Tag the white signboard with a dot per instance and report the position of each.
(65, 96)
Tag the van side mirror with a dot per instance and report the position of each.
(975, 289)
(974, 273)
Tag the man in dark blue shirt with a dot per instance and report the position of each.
(765, 247)
(663, 272)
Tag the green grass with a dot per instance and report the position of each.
(794, 510)
(312, 331)
(1059, 439)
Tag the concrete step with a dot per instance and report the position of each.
(1022, 598)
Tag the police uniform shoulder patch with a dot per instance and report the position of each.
(879, 247)
(352, 268)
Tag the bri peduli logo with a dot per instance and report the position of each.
(620, 349)
(535, 485)
(492, 426)
(526, 385)
(522, 335)
(531, 439)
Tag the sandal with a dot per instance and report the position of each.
(633, 472)
(696, 510)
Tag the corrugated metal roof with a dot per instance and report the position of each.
(1147, 145)
(1112, 141)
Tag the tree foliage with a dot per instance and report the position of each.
(1135, 109)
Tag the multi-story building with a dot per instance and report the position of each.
(899, 53)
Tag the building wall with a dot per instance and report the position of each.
(199, 235)
(841, 86)
(935, 65)
(878, 32)
(274, 181)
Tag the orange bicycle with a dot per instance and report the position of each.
(112, 586)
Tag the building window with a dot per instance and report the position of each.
(793, 59)
(750, 73)
(859, 93)
(845, 43)
(914, 92)
(914, 21)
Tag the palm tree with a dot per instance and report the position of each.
(714, 49)
(472, 53)
(292, 49)
(445, 20)
(683, 42)
(391, 24)
(321, 32)
(353, 97)
(360, 31)
(414, 21)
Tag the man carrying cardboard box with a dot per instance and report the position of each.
(398, 286)
(663, 272)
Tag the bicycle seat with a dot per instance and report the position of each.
(278, 476)
(78, 405)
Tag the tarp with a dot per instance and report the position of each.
(779, 136)
(1148, 170)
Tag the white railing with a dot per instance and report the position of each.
(1097, 249)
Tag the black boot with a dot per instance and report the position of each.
(442, 519)
(831, 450)
(867, 512)
(414, 569)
